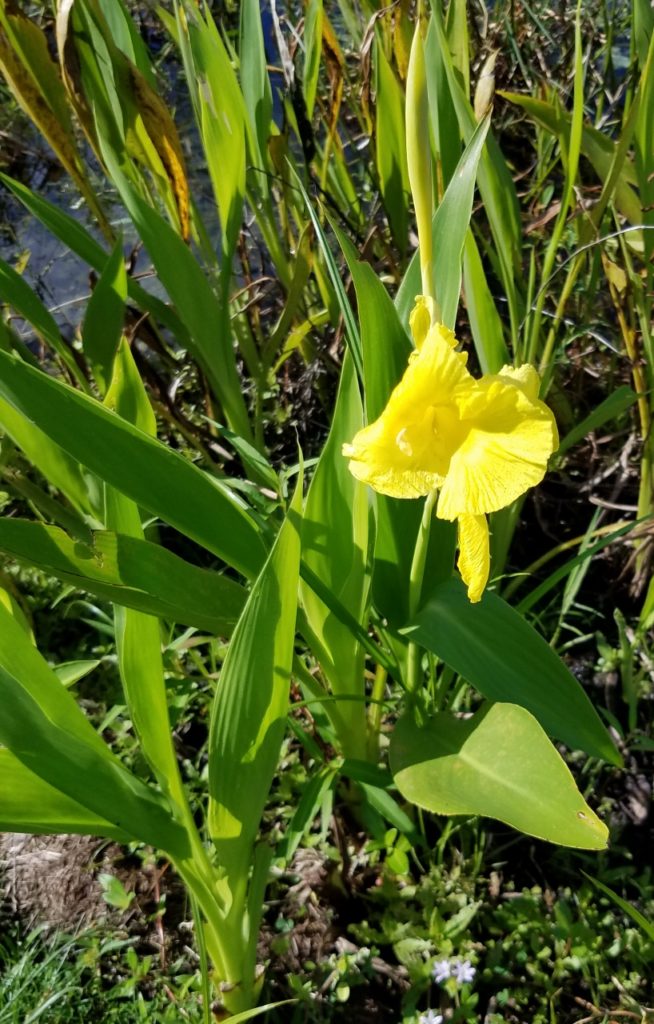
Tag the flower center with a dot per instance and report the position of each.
(431, 440)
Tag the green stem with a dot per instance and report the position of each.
(415, 587)
(375, 713)
(418, 153)
(343, 615)
(223, 940)
(204, 961)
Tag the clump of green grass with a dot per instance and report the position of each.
(70, 980)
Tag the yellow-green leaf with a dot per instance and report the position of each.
(500, 764)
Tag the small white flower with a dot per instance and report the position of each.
(441, 971)
(463, 971)
(431, 1018)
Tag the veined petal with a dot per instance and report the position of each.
(509, 440)
(435, 371)
(474, 554)
(387, 463)
(406, 452)
(443, 333)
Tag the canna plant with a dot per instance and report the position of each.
(355, 580)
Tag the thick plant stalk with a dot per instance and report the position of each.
(415, 586)
(419, 158)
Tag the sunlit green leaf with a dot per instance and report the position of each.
(499, 763)
(153, 476)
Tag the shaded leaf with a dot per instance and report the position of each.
(499, 653)
(30, 804)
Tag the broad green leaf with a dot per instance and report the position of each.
(385, 344)
(128, 38)
(456, 27)
(128, 115)
(451, 226)
(209, 337)
(449, 229)
(134, 573)
(381, 802)
(500, 764)
(312, 52)
(485, 321)
(9, 599)
(138, 635)
(152, 475)
(222, 120)
(29, 804)
(25, 43)
(495, 183)
(643, 29)
(255, 83)
(70, 672)
(104, 318)
(499, 653)
(442, 112)
(391, 159)
(335, 547)
(126, 394)
(249, 713)
(56, 465)
(47, 732)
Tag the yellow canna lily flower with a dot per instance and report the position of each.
(481, 443)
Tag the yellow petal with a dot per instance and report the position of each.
(508, 442)
(387, 462)
(407, 451)
(443, 333)
(422, 317)
(525, 377)
(474, 554)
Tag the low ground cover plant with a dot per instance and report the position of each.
(316, 586)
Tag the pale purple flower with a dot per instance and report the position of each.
(463, 971)
(431, 1018)
(441, 970)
